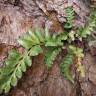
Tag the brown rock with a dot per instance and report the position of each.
(15, 20)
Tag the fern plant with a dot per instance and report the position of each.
(35, 43)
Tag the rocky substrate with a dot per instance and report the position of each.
(16, 18)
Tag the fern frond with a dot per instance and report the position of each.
(65, 66)
(70, 17)
(78, 52)
(15, 66)
(51, 56)
(53, 41)
(39, 38)
(31, 39)
(86, 30)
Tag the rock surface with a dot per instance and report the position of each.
(16, 17)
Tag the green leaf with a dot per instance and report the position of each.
(23, 66)
(27, 60)
(35, 50)
(6, 71)
(14, 81)
(18, 72)
(63, 36)
(40, 35)
(25, 43)
(7, 87)
(51, 43)
(54, 41)
(34, 37)
(3, 81)
(14, 54)
(13, 58)
(11, 62)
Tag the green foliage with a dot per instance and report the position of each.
(35, 42)
(70, 17)
(53, 41)
(68, 61)
(39, 38)
(16, 64)
(65, 66)
(35, 50)
(51, 56)
(30, 39)
(13, 58)
(83, 32)
(78, 52)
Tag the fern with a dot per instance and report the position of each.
(80, 67)
(36, 41)
(78, 52)
(54, 41)
(39, 38)
(16, 64)
(29, 40)
(86, 30)
(70, 17)
(65, 66)
(51, 55)
(35, 50)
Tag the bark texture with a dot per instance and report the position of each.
(16, 17)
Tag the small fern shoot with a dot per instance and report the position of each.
(70, 17)
(65, 66)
